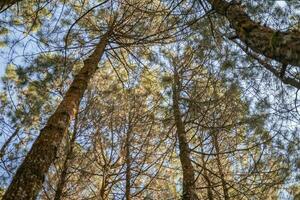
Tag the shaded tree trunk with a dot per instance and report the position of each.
(63, 176)
(220, 167)
(189, 192)
(283, 47)
(285, 79)
(207, 179)
(29, 177)
(103, 186)
(128, 165)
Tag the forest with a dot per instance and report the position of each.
(149, 100)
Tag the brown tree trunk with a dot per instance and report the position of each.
(29, 178)
(220, 167)
(206, 177)
(103, 186)
(283, 47)
(189, 190)
(128, 165)
(63, 176)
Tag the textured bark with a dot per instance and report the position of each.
(273, 69)
(189, 190)
(207, 179)
(283, 47)
(30, 176)
(128, 165)
(220, 167)
(63, 176)
(103, 186)
(7, 142)
(4, 4)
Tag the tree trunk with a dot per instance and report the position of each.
(62, 179)
(128, 165)
(103, 186)
(283, 47)
(29, 178)
(63, 176)
(207, 179)
(189, 192)
(219, 164)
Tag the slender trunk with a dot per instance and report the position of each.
(105, 168)
(63, 176)
(7, 142)
(219, 164)
(128, 165)
(209, 186)
(206, 177)
(103, 186)
(189, 192)
(281, 46)
(29, 178)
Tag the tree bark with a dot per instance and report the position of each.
(285, 79)
(220, 168)
(63, 176)
(189, 190)
(103, 185)
(283, 47)
(128, 165)
(29, 177)
(207, 179)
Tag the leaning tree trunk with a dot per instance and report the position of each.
(189, 190)
(64, 173)
(283, 47)
(30, 176)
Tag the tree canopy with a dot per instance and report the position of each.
(149, 99)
